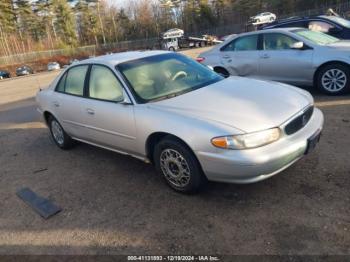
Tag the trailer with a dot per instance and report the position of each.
(175, 39)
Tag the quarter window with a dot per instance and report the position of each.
(278, 42)
(60, 86)
(245, 43)
(104, 85)
(75, 80)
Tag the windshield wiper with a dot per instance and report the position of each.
(170, 95)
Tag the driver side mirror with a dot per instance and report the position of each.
(297, 45)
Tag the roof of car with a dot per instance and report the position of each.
(118, 58)
(281, 30)
(296, 19)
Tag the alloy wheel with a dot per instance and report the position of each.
(334, 80)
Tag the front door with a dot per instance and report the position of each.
(278, 61)
(111, 122)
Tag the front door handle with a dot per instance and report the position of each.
(265, 56)
(56, 104)
(90, 111)
(226, 56)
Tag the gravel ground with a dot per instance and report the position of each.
(114, 204)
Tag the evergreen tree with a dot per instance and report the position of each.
(64, 22)
(7, 16)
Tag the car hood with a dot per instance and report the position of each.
(245, 104)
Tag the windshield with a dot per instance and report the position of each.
(164, 76)
(316, 37)
(339, 20)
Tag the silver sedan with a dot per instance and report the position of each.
(290, 55)
(191, 123)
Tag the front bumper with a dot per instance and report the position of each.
(253, 165)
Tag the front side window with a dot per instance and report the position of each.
(75, 79)
(320, 26)
(104, 85)
(245, 43)
(164, 76)
(277, 41)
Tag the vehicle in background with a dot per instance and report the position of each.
(292, 55)
(262, 18)
(24, 70)
(332, 25)
(175, 39)
(4, 74)
(224, 38)
(73, 61)
(53, 66)
(191, 123)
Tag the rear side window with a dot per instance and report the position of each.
(72, 82)
(245, 43)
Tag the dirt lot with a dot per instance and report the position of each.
(113, 204)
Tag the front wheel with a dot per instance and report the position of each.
(59, 136)
(334, 79)
(176, 163)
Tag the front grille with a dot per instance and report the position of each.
(299, 122)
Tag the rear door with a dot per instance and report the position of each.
(240, 56)
(68, 99)
(280, 62)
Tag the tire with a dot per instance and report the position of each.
(59, 136)
(222, 71)
(172, 49)
(170, 157)
(334, 79)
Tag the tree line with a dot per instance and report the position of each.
(31, 25)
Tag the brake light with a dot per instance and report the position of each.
(200, 59)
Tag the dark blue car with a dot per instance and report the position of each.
(4, 74)
(332, 25)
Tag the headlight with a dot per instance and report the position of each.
(247, 141)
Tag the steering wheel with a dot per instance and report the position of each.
(178, 74)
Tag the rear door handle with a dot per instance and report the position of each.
(90, 111)
(265, 56)
(226, 56)
(56, 104)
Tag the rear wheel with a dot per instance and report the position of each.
(334, 79)
(176, 163)
(59, 136)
